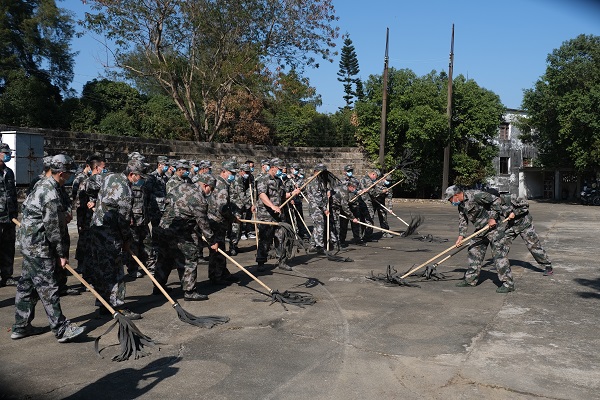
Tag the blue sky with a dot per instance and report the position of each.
(501, 45)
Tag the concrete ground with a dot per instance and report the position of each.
(361, 340)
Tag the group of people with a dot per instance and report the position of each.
(169, 213)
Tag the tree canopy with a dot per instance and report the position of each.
(563, 107)
(348, 72)
(417, 120)
(200, 52)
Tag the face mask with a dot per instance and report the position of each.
(140, 182)
(267, 168)
(349, 174)
(196, 169)
(278, 173)
(251, 169)
(165, 168)
(231, 178)
(104, 171)
(7, 157)
(245, 176)
(301, 176)
(455, 203)
(89, 172)
(186, 174)
(295, 172)
(386, 183)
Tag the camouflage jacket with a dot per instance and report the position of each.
(365, 182)
(174, 181)
(156, 189)
(113, 207)
(220, 209)
(187, 210)
(139, 207)
(88, 191)
(43, 227)
(296, 182)
(274, 190)
(75, 187)
(316, 194)
(478, 207)
(520, 207)
(340, 198)
(8, 196)
(238, 194)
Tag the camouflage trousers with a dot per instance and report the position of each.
(500, 246)
(532, 241)
(381, 214)
(334, 225)
(7, 249)
(235, 233)
(106, 261)
(217, 263)
(366, 215)
(138, 246)
(344, 227)
(38, 282)
(298, 215)
(82, 253)
(318, 232)
(267, 236)
(152, 245)
(180, 252)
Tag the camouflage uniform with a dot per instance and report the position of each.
(522, 225)
(156, 188)
(240, 201)
(366, 208)
(346, 195)
(339, 205)
(378, 196)
(8, 211)
(478, 207)
(296, 181)
(220, 215)
(186, 211)
(139, 229)
(272, 187)
(61, 273)
(176, 180)
(316, 194)
(88, 192)
(42, 238)
(109, 231)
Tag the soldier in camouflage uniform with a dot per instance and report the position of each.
(111, 235)
(221, 212)
(87, 195)
(318, 196)
(340, 197)
(520, 223)
(187, 211)
(42, 240)
(182, 174)
(45, 173)
(8, 211)
(379, 195)
(365, 203)
(139, 222)
(481, 209)
(156, 187)
(296, 180)
(270, 194)
(349, 191)
(240, 198)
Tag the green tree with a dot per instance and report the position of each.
(201, 51)
(35, 37)
(417, 120)
(563, 118)
(348, 72)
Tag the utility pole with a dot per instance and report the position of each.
(384, 104)
(446, 172)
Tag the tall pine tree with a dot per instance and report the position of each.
(348, 73)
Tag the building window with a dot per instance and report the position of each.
(504, 165)
(504, 129)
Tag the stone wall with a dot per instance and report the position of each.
(79, 145)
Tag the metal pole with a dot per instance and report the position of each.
(384, 104)
(446, 171)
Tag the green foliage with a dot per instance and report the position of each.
(563, 106)
(201, 52)
(349, 69)
(417, 121)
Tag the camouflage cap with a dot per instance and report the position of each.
(265, 162)
(162, 160)
(353, 182)
(348, 168)
(62, 163)
(245, 167)
(47, 161)
(5, 148)
(182, 164)
(136, 156)
(277, 162)
(172, 162)
(296, 166)
(205, 164)
(230, 166)
(452, 191)
(137, 167)
(207, 179)
(320, 167)
(377, 171)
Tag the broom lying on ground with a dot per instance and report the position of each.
(131, 340)
(204, 321)
(299, 299)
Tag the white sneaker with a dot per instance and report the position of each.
(243, 237)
